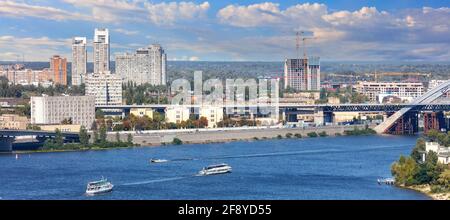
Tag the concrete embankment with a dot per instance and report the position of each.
(152, 138)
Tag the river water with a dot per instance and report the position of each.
(309, 168)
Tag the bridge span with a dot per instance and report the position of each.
(7, 137)
(405, 117)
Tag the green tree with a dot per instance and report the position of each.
(177, 141)
(96, 139)
(444, 179)
(428, 172)
(130, 139)
(59, 139)
(102, 134)
(84, 137)
(99, 114)
(417, 151)
(404, 171)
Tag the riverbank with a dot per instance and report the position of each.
(157, 138)
(426, 189)
(222, 135)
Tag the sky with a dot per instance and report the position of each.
(230, 30)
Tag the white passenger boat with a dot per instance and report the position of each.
(158, 161)
(215, 169)
(98, 187)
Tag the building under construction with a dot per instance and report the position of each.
(302, 74)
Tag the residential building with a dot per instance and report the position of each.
(302, 74)
(212, 114)
(79, 60)
(13, 122)
(404, 90)
(141, 112)
(22, 76)
(177, 114)
(106, 88)
(146, 65)
(313, 74)
(101, 50)
(58, 68)
(443, 153)
(54, 109)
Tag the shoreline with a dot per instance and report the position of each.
(210, 137)
(426, 190)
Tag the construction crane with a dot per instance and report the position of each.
(300, 36)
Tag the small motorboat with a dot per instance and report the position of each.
(158, 161)
(215, 169)
(98, 187)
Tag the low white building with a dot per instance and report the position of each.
(403, 90)
(54, 109)
(106, 88)
(177, 114)
(212, 114)
(442, 152)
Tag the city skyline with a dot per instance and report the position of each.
(231, 30)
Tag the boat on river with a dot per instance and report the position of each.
(99, 187)
(215, 169)
(158, 161)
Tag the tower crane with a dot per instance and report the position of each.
(300, 36)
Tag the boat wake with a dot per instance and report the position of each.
(154, 181)
(288, 153)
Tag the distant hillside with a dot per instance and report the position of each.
(185, 69)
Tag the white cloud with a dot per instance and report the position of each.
(252, 15)
(410, 22)
(363, 15)
(20, 10)
(34, 48)
(169, 13)
(120, 11)
(269, 14)
(126, 32)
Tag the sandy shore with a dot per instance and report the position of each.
(426, 189)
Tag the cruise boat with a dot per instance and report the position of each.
(98, 187)
(158, 161)
(215, 169)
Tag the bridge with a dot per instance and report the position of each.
(405, 119)
(7, 137)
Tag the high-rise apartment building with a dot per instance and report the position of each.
(302, 74)
(79, 60)
(106, 88)
(314, 74)
(147, 65)
(54, 109)
(58, 68)
(101, 50)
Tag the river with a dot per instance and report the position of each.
(344, 167)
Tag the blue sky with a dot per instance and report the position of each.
(230, 30)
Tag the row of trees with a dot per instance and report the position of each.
(144, 94)
(412, 170)
(99, 140)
